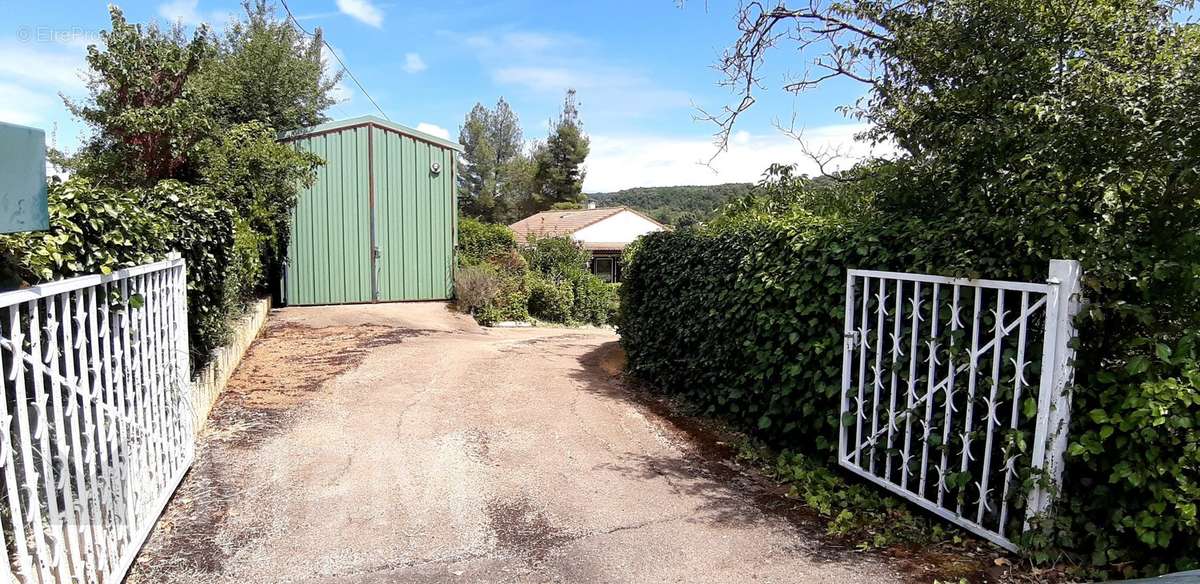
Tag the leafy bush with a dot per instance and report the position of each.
(479, 241)
(245, 276)
(475, 287)
(98, 230)
(510, 304)
(556, 258)
(260, 178)
(548, 300)
(595, 300)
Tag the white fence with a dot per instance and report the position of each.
(97, 428)
(940, 409)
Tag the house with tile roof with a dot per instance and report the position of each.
(603, 232)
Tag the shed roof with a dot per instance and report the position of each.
(376, 121)
(559, 223)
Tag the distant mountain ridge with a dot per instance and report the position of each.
(675, 205)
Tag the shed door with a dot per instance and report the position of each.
(414, 218)
(329, 254)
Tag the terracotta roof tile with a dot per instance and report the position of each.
(558, 223)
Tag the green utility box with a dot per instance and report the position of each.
(22, 179)
(380, 223)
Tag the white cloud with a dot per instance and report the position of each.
(188, 12)
(547, 64)
(544, 79)
(59, 69)
(363, 11)
(32, 75)
(19, 105)
(618, 162)
(413, 63)
(433, 130)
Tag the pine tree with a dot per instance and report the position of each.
(495, 175)
(559, 176)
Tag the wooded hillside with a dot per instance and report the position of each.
(677, 205)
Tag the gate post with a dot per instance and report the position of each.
(1054, 394)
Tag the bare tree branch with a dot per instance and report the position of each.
(847, 35)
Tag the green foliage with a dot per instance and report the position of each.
(1025, 131)
(510, 304)
(745, 320)
(148, 121)
(559, 175)
(595, 300)
(679, 206)
(245, 275)
(172, 165)
(502, 180)
(99, 230)
(495, 175)
(265, 70)
(857, 512)
(549, 300)
(555, 258)
(259, 177)
(479, 241)
(783, 193)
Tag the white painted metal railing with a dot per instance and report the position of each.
(97, 429)
(937, 401)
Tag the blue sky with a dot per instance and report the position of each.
(640, 68)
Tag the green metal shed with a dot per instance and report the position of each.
(380, 222)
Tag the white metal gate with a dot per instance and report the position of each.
(97, 429)
(947, 398)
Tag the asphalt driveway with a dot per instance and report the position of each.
(401, 443)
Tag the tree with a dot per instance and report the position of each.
(147, 119)
(559, 175)
(267, 70)
(476, 186)
(496, 173)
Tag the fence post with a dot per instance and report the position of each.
(1054, 395)
(847, 353)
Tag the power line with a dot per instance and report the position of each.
(335, 56)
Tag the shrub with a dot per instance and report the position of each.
(260, 178)
(479, 241)
(555, 257)
(475, 287)
(245, 276)
(548, 300)
(510, 304)
(595, 299)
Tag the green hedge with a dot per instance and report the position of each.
(97, 230)
(745, 319)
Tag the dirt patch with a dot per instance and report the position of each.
(522, 530)
(286, 366)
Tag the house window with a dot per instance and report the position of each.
(603, 267)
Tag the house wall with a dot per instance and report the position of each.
(624, 227)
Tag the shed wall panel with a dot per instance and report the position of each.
(329, 253)
(414, 215)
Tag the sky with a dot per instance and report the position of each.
(641, 68)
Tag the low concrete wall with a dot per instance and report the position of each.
(209, 382)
